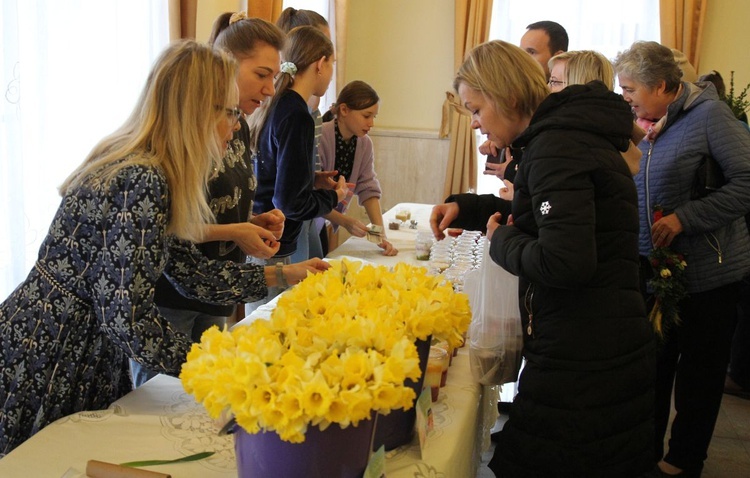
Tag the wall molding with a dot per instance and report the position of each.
(406, 133)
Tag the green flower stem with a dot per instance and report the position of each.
(195, 457)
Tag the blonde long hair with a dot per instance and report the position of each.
(173, 127)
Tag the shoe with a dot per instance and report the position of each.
(732, 388)
(657, 473)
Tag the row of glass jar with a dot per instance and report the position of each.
(453, 257)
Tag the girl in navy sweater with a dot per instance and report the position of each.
(282, 134)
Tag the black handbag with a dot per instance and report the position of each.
(708, 178)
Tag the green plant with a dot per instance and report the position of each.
(740, 103)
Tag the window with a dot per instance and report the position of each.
(591, 25)
(71, 72)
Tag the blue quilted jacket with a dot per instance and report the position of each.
(715, 238)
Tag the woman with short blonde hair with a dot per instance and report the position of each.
(585, 396)
(583, 66)
(516, 91)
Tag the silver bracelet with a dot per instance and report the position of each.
(280, 279)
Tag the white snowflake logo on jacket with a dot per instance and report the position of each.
(544, 208)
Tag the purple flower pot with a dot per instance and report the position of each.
(397, 428)
(335, 452)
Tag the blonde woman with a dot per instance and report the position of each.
(582, 66)
(236, 232)
(87, 305)
(578, 68)
(584, 406)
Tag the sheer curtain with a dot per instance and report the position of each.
(682, 26)
(472, 24)
(590, 25)
(71, 74)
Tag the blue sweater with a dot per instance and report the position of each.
(284, 167)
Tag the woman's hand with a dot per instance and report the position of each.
(488, 148)
(665, 230)
(294, 273)
(495, 169)
(324, 179)
(254, 240)
(492, 224)
(506, 192)
(342, 189)
(498, 169)
(441, 217)
(272, 220)
(353, 226)
(388, 249)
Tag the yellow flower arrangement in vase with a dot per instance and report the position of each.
(337, 348)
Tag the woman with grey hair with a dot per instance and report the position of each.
(687, 125)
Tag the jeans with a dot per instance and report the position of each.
(308, 243)
(188, 322)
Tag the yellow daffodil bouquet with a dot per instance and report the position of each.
(338, 347)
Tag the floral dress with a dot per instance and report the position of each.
(87, 304)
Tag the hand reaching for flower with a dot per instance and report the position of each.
(295, 273)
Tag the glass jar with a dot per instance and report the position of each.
(423, 245)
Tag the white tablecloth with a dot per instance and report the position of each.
(160, 421)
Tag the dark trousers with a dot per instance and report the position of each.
(739, 364)
(693, 357)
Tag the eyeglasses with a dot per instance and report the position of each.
(556, 83)
(234, 115)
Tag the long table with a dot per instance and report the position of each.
(160, 421)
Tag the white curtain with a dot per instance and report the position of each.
(71, 72)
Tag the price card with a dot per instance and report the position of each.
(424, 417)
(376, 465)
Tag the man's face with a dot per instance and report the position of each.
(536, 44)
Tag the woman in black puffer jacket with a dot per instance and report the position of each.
(585, 401)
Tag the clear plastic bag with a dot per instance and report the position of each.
(495, 333)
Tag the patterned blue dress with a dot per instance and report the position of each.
(68, 330)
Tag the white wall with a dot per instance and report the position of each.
(208, 10)
(404, 49)
(726, 41)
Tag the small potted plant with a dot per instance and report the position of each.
(739, 104)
